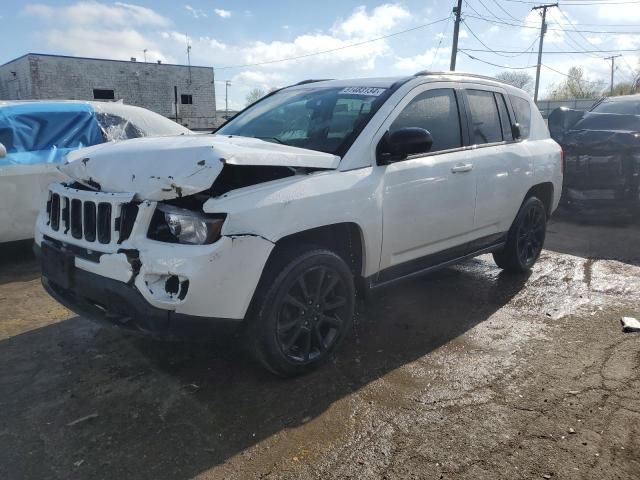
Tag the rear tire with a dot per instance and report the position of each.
(303, 310)
(525, 238)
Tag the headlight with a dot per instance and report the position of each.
(184, 226)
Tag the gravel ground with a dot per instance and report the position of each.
(465, 374)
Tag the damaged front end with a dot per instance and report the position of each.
(129, 242)
(602, 165)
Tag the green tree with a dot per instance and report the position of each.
(576, 86)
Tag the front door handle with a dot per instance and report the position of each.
(462, 167)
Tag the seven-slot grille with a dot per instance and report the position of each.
(93, 217)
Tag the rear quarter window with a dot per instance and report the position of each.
(522, 111)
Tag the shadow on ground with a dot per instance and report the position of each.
(17, 262)
(610, 241)
(175, 410)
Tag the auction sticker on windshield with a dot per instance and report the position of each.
(368, 91)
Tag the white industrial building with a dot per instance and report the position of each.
(158, 86)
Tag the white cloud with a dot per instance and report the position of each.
(90, 28)
(222, 13)
(362, 24)
(91, 12)
(90, 42)
(432, 57)
(195, 13)
(619, 13)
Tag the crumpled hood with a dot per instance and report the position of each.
(162, 168)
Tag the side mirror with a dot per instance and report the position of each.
(3, 151)
(396, 146)
(515, 131)
(561, 120)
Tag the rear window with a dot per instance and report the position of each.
(623, 107)
(522, 110)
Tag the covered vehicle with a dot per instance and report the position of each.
(602, 155)
(36, 135)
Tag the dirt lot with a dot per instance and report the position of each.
(465, 374)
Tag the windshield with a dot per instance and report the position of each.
(625, 107)
(323, 119)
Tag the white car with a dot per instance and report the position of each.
(36, 135)
(315, 192)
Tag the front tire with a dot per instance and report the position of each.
(525, 238)
(304, 310)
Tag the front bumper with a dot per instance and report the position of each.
(213, 281)
(118, 304)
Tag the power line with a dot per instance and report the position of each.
(442, 35)
(486, 8)
(497, 2)
(497, 52)
(472, 57)
(575, 30)
(497, 19)
(505, 22)
(517, 53)
(582, 2)
(306, 55)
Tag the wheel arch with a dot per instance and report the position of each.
(346, 239)
(544, 191)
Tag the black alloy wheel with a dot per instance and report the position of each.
(311, 315)
(531, 233)
(302, 311)
(525, 238)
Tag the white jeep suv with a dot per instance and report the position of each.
(310, 194)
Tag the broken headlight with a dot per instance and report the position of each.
(179, 225)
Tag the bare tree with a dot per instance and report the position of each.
(622, 88)
(518, 79)
(254, 95)
(576, 86)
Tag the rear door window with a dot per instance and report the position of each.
(436, 111)
(522, 110)
(485, 119)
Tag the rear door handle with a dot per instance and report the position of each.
(462, 167)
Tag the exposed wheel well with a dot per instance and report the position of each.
(543, 191)
(345, 239)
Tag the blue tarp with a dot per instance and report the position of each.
(44, 132)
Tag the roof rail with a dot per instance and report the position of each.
(474, 75)
(311, 80)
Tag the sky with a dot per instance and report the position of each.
(233, 36)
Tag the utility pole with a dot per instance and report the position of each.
(613, 63)
(227, 84)
(456, 30)
(543, 30)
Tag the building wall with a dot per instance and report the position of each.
(147, 85)
(15, 80)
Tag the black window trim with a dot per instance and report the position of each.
(512, 113)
